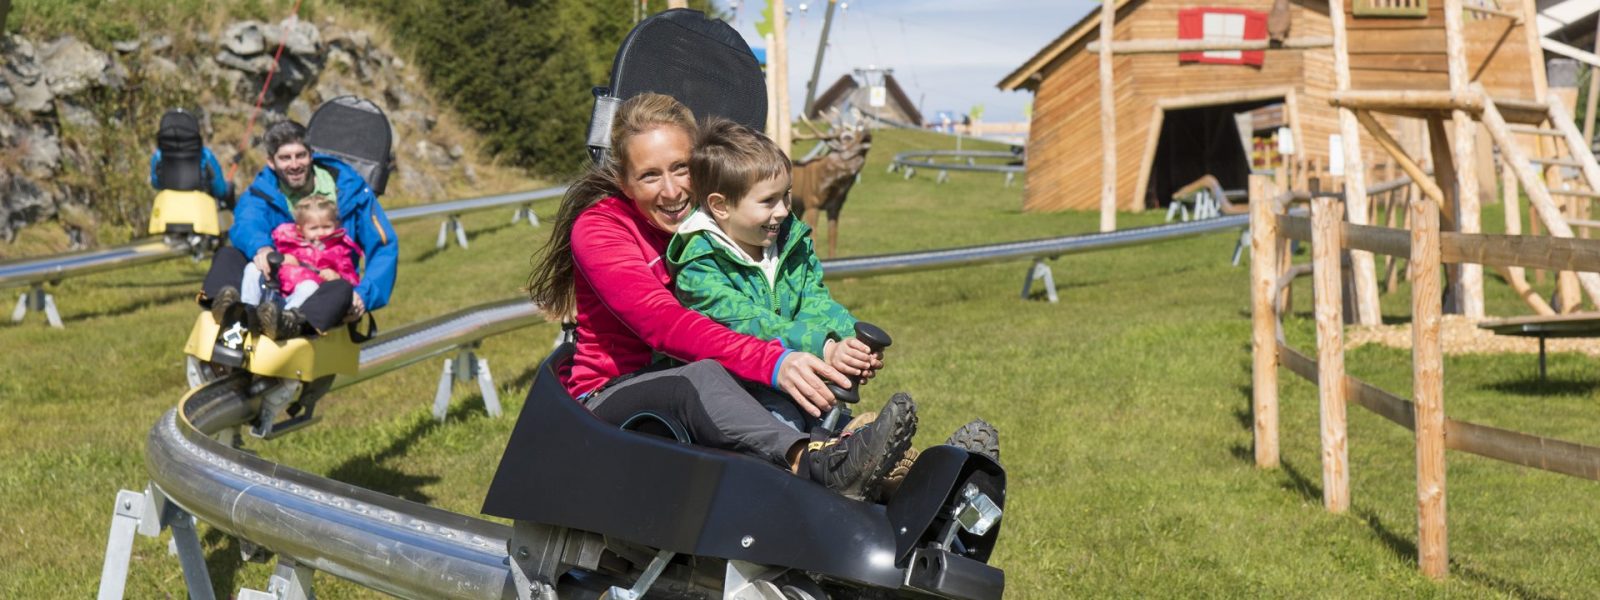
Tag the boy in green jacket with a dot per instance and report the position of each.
(743, 260)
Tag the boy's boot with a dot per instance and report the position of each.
(855, 463)
(277, 323)
(977, 437)
(226, 299)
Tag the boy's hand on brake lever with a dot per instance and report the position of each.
(801, 376)
(853, 357)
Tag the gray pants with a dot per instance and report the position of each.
(718, 411)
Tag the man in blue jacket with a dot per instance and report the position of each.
(292, 173)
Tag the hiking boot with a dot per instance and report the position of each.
(978, 437)
(226, 299)
(855, 463)
(277, 323)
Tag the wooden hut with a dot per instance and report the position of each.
(847, 92)
(1182, 115)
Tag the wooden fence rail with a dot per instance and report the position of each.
(1427, 249)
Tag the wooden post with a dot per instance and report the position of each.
(1517, 277)
(1264, 320)
(1589, 103)
(1427, 377)
(1326, 243)
(1355, 181)
(1444, 172)
(1469, 288)
(772, 92)
(778, 55)
(1108, 120)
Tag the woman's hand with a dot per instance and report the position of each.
(801, 376)
(852, 357)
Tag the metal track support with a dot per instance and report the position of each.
(37, 300)
(452, 223)
(525, 210)
(186, 544)
(465, 368)
(1036, 272)
(1238, 247)
(290, 581)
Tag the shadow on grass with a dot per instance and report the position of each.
(1531, 385)
(451, 241)
(372, 471)
(223, 561)
(132, 307)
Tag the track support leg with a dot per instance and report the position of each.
(452, 223)
(290, 581)
(1238, 248)
(186, 544)
(525, 211)
(466, 367)
(1039, 271)
(36, 299)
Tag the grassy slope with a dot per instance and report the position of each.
(1124, 412)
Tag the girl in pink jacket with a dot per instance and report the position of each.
(315, 249)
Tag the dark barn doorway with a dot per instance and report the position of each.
(1204, 140)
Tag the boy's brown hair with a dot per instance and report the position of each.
(730, 158)
(315, 204)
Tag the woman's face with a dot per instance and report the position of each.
(656, 175)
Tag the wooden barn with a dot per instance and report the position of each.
(1181, 115)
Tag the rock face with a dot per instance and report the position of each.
(50, 85)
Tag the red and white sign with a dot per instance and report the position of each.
(1230, 24)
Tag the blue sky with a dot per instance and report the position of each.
(947, 54)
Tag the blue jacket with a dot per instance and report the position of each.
(211, 169)
(263, 207)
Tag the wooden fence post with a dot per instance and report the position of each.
(1427, 385)
(1264, 320)
(1108, 120)
(1326, 243)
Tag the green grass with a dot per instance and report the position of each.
(1124, 414)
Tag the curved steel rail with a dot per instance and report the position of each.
(56, 267)
(408, 549)
(909, 160)
(379, 541)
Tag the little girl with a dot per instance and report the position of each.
(314, 250)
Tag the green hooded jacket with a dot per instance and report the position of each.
(714, 279)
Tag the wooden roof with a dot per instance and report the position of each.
(1088, 28)
(847, 84)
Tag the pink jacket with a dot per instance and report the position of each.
(333, 251)
(626, 308)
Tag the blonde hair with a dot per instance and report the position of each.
(730, 158)
(550, 284)
(313, 206)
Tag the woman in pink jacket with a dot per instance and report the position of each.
(603, 264)
(315, 249)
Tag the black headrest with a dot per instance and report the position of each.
(355, 131)
(702, 62)
(179, 134)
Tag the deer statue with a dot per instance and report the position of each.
(821, 184)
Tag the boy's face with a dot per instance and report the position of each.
(753, 221)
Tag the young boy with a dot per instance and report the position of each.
(744, 261)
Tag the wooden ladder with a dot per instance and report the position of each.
(1573, 152)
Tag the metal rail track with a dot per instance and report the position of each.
(61, 266)
(412, 550)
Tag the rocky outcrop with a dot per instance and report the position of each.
(51, 86)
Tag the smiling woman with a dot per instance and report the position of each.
(603, 268)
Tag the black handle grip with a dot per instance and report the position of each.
(274, 261)
(876, 340)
